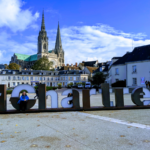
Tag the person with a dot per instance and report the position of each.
(69, 95)
(37, 93)
(146, 83)
(23, 101)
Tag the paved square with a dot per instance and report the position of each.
(86, 130)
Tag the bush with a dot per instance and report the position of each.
(8, 91)
(59, 85)
(120, 83)
(24, 91)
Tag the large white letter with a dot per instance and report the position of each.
(54, 98)
(64, 101)
(17, 89)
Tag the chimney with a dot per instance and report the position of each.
(76, 64)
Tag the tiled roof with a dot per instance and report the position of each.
(89, 63)
(2, 66)
(91, 69)
(67, 67)
(138, 54)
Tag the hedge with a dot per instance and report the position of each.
(47, 89)
(120, 83)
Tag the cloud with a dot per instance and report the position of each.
(15, 18)
(8, 47)
(80, 43)
(99, 42)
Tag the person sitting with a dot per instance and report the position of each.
(23, 101)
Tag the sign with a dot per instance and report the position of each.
(136, 96)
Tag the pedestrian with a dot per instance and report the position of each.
(146, 83)
(23, 101)
(37, 93)
(70, 95)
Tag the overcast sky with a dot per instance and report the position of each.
(90, 29)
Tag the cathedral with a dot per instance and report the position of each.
(55, 55)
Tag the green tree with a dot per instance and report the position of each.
(6, 66)
(98, 78)
(13, 66)
(42, 64)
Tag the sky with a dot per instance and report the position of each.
(90, 29)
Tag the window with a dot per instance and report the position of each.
(36, 78)
(43, 78)
(70, 78)
(134, 69)
(134, 81)
(117, 71)
(31, 73)
(51, 78)
(14, 78)
(23, 78)
(31, 78)
(27, 78)
(14, 84)
(9, 78)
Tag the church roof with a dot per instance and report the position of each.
(23, 57)
(28, 58)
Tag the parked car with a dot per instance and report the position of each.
(80, 86)
(87, 85)
(74, 86)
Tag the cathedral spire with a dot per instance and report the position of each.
(58, 45)
(43, 22)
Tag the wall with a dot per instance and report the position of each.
(143, 70)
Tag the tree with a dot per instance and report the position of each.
(6, 66)
(42, 64)
(13, 66)
(98, 78)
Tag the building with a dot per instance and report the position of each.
(56, 55)
(13, 78)
(2, 66)
(103, 67)
(132, 67)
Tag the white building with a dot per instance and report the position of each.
(13, 78)
(134, 67)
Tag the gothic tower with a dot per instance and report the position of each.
(58, 48)
(42, 40)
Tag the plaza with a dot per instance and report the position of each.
(84, 130)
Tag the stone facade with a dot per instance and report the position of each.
(13, 78)
(56, 55)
